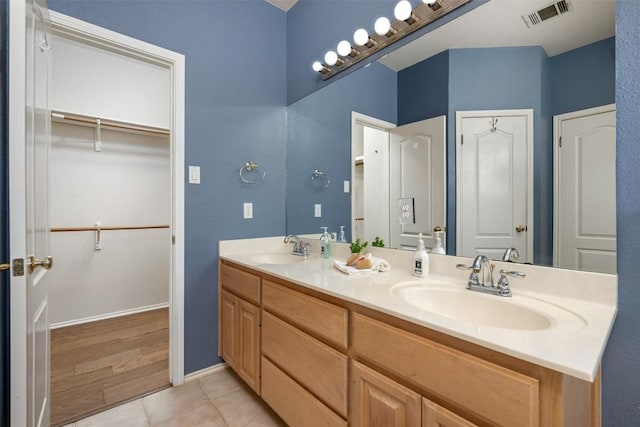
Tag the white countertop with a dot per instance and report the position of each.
(574, 349)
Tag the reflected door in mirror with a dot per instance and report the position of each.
(494, 170)
(586, 190)
(418, 171)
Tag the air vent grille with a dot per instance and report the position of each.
(547, 12)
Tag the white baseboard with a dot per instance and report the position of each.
(204, 372)
(108, 315)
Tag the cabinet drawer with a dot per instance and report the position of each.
(241, 283)
(501, 396)
(295, 405)
(326, 320)
(434, 415)
(316, 366)
(377, 401)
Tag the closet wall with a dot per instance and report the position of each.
(115, 177)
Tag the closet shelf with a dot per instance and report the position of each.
(64, 117)
(105, 228)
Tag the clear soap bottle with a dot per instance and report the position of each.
(341, 238)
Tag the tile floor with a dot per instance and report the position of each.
(219, 399)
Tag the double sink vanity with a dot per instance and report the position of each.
(388, 349)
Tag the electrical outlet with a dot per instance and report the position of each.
(318, 210)
(247, 210)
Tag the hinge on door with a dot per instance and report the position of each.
(560, 141)
(461, 139)
(173, 239)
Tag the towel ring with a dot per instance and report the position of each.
(249, 173)
(319, 179)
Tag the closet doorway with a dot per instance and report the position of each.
(115, 217)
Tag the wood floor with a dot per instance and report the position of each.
(98, 365)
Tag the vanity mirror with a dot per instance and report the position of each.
(486, 60)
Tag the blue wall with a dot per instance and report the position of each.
(621, 363)
(423, 89)
(235, 112)
(320, 138)
(584, 77)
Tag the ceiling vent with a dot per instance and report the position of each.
(547, 12)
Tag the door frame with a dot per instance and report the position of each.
(359, 119)
(140, 50)
(528, 113)
(17, 211)
(557, 123)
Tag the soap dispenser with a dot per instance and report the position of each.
(421, 259)
(325, 248)
(341, 238)
(438, 249)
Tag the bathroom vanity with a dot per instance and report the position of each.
(324, 348)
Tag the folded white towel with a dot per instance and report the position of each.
(379, 264)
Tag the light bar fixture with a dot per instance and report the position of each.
(385, 33)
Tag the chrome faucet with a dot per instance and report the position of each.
(510, 255)
(481, 277)
(482, 266)
(300, 248)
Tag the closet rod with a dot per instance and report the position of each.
(60, 116)
(103, 228)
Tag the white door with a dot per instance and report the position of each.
(417, 175)
(586, 190)
(29, 125)
(375, 185)
(494, 179)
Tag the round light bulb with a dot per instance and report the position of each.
(330, 58)
(429, 2)
(382, 26)
(317, 66)
(344, 48)
(402, 12)
(360, 37)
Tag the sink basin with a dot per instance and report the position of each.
(516, 313)
(279, 258)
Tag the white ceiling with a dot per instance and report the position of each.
(283, 4)
(498, 23)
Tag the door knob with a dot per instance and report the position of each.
(6, 266)
(521, 228)
(45, 263)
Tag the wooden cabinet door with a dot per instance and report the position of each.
(248, 364)
(229, 328)
(434, 415)
(377, 401)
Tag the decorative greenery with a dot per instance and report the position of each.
(357, 247)
(378, 242)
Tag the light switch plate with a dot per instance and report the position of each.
(247, 210)
(346, 186)
(194, 174)
(318, 210)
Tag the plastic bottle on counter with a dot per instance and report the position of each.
(421, 260)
